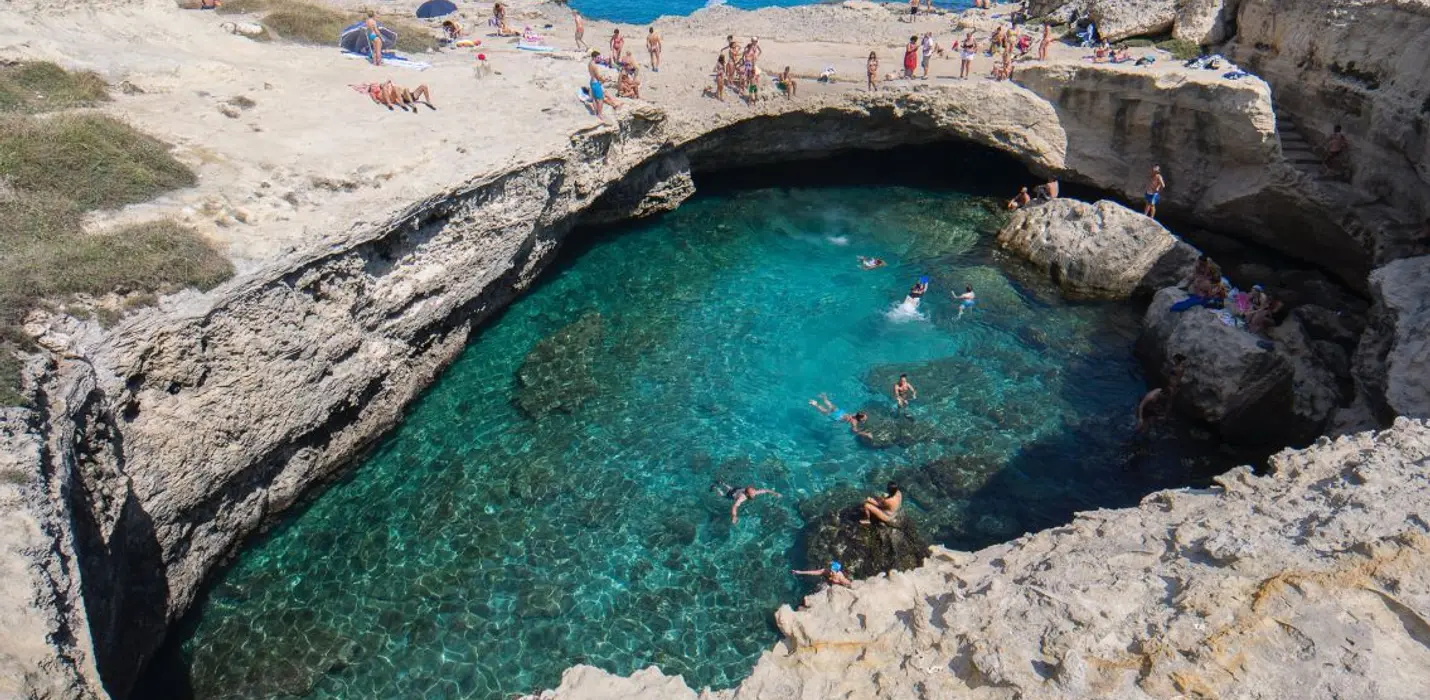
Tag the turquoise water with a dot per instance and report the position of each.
(642, 11)
(547, 501)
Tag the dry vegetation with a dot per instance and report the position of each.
(41, 86)
(55, 169)
(306, 23)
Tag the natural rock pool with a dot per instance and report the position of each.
(548, 502)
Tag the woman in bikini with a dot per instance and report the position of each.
(831, 411)
(872, 67)
(374, 37)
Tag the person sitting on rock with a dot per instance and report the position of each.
(1262, 315)
(883, 508)
(1152, 408)
(740, 494)
(832, 574)
(1020, 200)
(855, 421)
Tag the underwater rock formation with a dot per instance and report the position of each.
(556, 374)
(1097, 251)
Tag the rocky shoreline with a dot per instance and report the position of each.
(152, 450)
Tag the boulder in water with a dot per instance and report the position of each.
(1097, 251)
(864, 550)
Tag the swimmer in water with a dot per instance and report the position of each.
(740, 494)
(904, 392)
(966, 300)
(870, 263)
(919, 288)
(883, 508)
(832, 574)
(829, 409)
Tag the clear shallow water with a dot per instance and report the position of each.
(480, 551)
(642, 11)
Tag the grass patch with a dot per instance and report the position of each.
(1181, 49)
(305, 23)
(243, 7)
(56, 170)
(95, 161)
(41, 86)
(1138, 43)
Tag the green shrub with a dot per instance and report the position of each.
(9, 377)
(159, 255)
(96, 161)
(242, 7)
(41, 86)
(1181, 49)
(1139, 43)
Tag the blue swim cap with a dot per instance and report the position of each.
(924, 280)
(835, 566)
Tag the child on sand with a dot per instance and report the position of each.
(787, 84)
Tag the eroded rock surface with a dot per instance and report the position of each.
(1392, 364)
(1309, 582)
(1097, 251)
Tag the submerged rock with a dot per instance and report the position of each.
(1097, 251)
(864, 550)
(556, 374)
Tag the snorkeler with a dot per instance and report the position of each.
(883, 508)
(870, 263)
(838, 416)
(966, 300)
(740, 494)
(904, 391)
(832, 574)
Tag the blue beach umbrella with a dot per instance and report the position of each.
(354, 39)
(436, 8)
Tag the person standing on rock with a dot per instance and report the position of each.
(1155, 186)
(832, 574)
(966, 51)
(740, 495)
(911, 57)
(883, 508)
(1046, 42)
(618, 43)
(904, 391)
(598, 91)
(652, 45)
(872, 68)
(580, 30)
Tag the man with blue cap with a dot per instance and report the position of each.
(832, 574)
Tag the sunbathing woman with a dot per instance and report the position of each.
(390, 96)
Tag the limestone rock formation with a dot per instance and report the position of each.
(1252, 391)
(1309, 582)
(1204, 22)
(1097, 251)
(1199, 21)
(1392, 364)
(1119, 19)
(591, 683)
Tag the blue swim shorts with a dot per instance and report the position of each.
(598, 92)
(1152, 197)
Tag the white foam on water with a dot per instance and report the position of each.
(905, 311)
(837, 240)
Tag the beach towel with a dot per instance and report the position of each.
(392, 59)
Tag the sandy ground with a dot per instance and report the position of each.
(313, 157)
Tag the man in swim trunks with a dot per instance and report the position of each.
(740, 494)
(652, 45)
(1155, 186)
(832, 574)
(580, 30)
(855, 421)
(883, 508)
(1020, 200)
(966, 300)
(598, 91)
(904, 392)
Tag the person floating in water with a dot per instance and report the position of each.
(855, 421)
(870, 263)
(740, 494)
(904, 392)
(832, 574)
(883, 508)
(919, 289)
(966, 300)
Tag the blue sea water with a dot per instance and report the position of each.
(547, 501)
(643, 11)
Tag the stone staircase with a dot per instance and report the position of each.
(1295, 148)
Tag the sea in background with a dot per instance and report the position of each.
(548, 501)
(643, 11)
